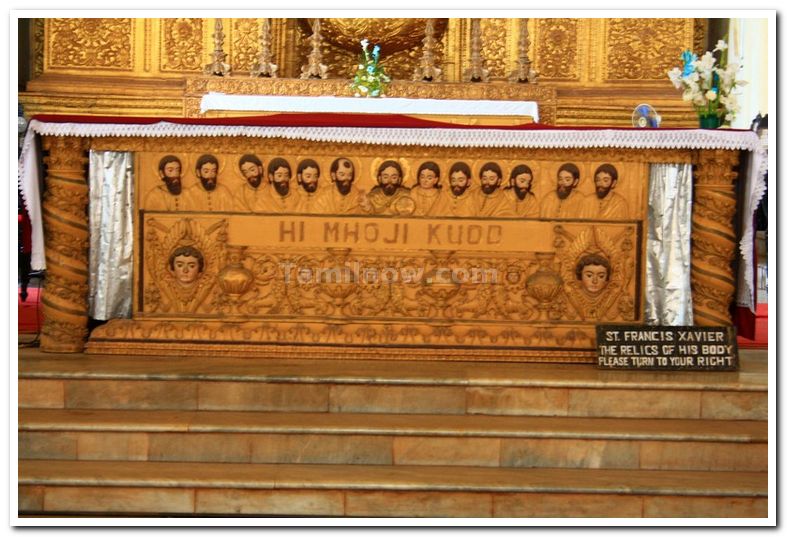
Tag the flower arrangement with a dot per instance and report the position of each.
(709, 85)
(370, 79)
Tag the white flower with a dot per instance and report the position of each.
(364, 43)
(729, 117)
(675, 78)
(710, 95)
(720, 45)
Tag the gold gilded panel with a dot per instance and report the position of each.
(182, 44)
(494, 48)
(557, 49)
(38, 46)
(245, 38)
(644, 49)
(400, 41)
(90, 44)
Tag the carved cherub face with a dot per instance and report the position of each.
(186, 269)
(594, 278)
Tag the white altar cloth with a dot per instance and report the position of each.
(354, 105)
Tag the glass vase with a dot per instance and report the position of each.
(710, 122)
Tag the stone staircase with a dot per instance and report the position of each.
(154, 436)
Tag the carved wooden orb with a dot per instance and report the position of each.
(392, 35)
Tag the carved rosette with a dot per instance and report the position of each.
(713, 241)
(65, 307)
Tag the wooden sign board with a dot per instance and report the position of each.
(686, 348)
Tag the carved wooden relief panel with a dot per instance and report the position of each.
(644, 49)
(181, 45)
(557, 49)
(93, 44)
(277, 246)
(245, 44)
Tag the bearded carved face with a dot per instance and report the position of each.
(459, 183)
(565, 184)
(604, 184)
(207, 174)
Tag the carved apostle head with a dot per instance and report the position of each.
(521, 180)
(308, 174)
(207, 171)
(605, 179)
(428, 175)
(169, 171)
(594, 272)
(251, 169)
(279, 175)
(567, 179)
(390, 177)
(459, 178)
(491, 176)
(343, 175)
(186, 264)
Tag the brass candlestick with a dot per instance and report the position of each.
(264, 66)
(524, 72)
(218, 67)
(476, 72)
(427, 71)
(315, 68)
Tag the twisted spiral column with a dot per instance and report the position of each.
(66, 239)
(713, 240)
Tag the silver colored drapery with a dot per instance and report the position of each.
(668, 264)
(111, 234)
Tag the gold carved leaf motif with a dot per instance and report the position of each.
(643, 49)
(493, 47)
(93, 43)
(182, 45)
(557, 48)
(245, 44)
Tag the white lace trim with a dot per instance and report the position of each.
(453, 137)
(759, 167)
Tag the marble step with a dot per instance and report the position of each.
(167, 383)
(313, 438)
(80, 487)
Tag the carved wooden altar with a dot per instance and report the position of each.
(294, 280)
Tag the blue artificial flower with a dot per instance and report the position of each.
(688, 58)
(370, 69)
(376, 52)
